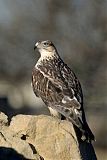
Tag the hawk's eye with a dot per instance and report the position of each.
(46, 44)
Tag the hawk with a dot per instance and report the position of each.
(57, 85)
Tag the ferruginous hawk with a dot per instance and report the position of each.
(57, 85)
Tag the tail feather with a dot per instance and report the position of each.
(88, 133)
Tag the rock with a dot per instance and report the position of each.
(19, 124)
(44, 138)
(53, 138)
(22, 147)
(3, 120)
(11, 146)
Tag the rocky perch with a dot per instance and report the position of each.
(41, 138)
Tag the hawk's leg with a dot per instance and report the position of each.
(54, 113)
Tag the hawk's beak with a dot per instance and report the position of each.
(36, 45)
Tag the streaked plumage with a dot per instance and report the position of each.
(56, 84)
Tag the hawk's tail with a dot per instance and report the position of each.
(84, 133)
(88, 133)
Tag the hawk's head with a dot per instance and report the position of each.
(46, 48)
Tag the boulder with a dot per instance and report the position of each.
(44, 138)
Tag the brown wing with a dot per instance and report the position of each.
(72, 82)
(56, 94)
(47, 87)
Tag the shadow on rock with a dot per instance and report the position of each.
(87, 151)
(10, 154)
